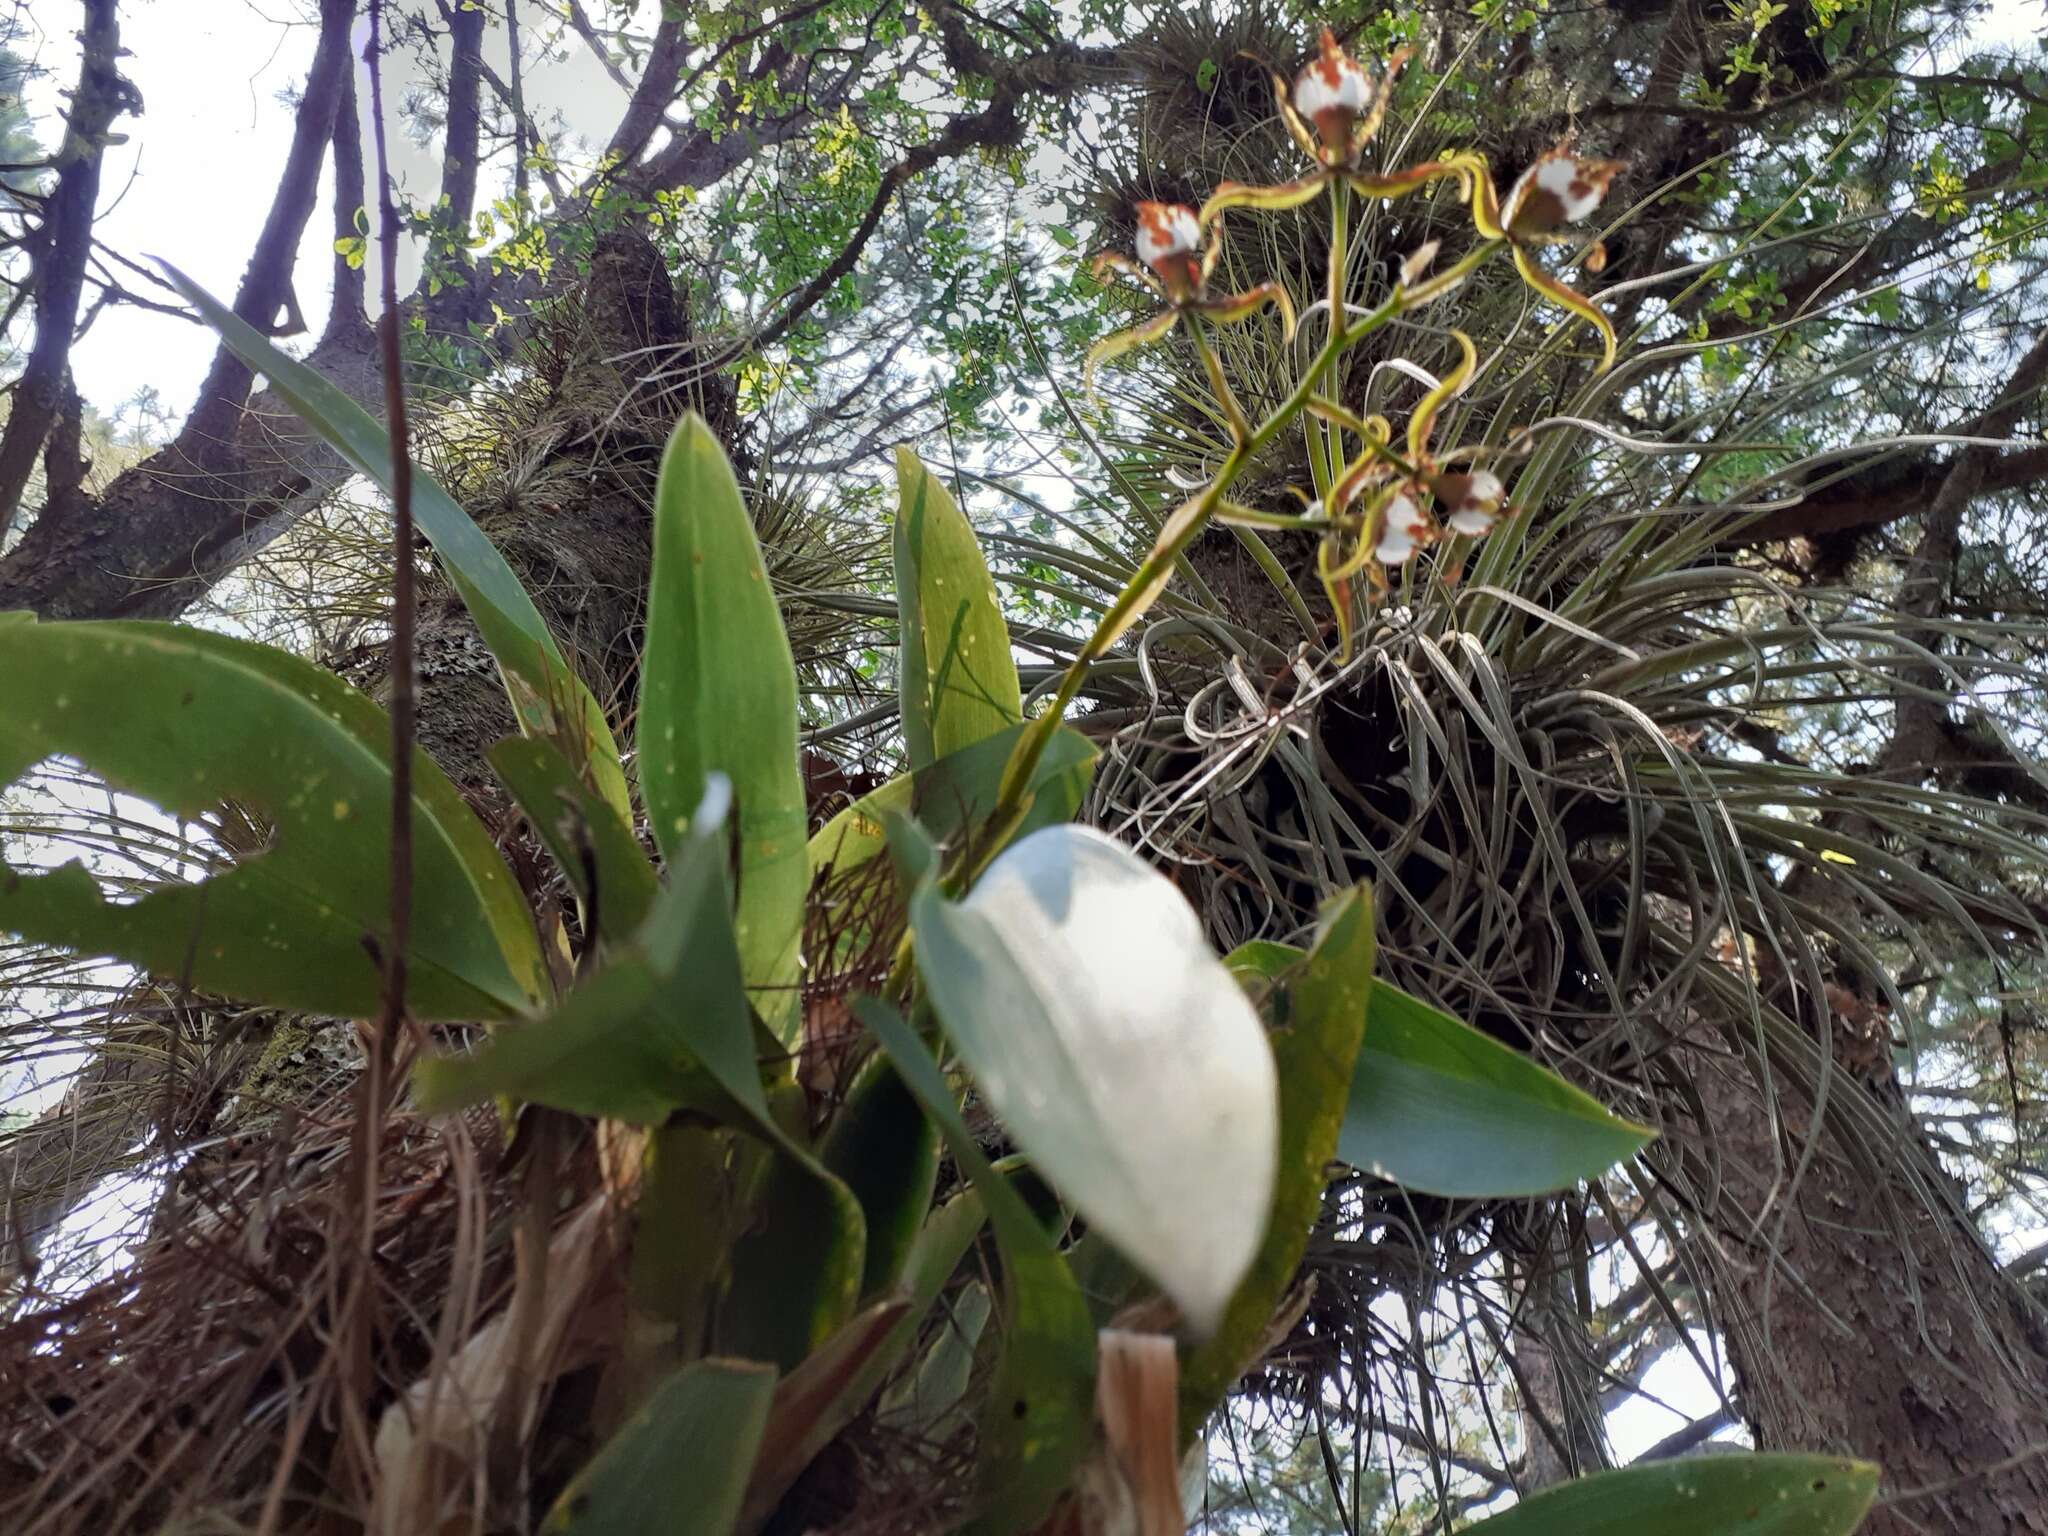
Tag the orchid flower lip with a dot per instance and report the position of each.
(1404, 529)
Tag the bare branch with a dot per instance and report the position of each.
(60, 250)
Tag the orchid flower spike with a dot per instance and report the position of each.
(1177, 255)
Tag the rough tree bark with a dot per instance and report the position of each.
(574, 520)
(174, 520)
(1920, 1355)
(1886, 1327)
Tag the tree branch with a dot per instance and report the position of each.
(1688, 1436)
(60, 250)
(268, 278)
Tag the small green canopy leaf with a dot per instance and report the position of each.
(1438, 1107)
(718, 695)
(547, 697)
(957, 677)
(1117, 1050)
(190, 720)
(681, 1464)
(1702, 1496)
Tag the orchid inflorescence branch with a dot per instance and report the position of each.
(1376, 515)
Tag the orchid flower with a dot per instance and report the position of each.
(1332, 112)
(1561, 187)
(1175, 262)
(1396, 492)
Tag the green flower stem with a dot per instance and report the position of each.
(1340, 240)
(1326, 457)
(1141, 589)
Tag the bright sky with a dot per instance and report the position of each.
(194, 183)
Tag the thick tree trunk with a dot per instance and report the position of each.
(570, 508)
(1883, 1328)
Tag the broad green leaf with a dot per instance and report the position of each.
(956, 792)
(1437, 1106)
(680, 1465)
(1118, 1052)
(885, 1149)
(548, 698)
(957, 677)
(1702, 1496)
(665, 1025)
(718, 695)
(683, 1225)
(1315, 1055)
(800, 1254)
(595, 849)
(1040, 1416)
(188, 720)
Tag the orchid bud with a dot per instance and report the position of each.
(1560, 188)
(1418, 262)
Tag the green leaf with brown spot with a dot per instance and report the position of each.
(957, 678)
(718, 695)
